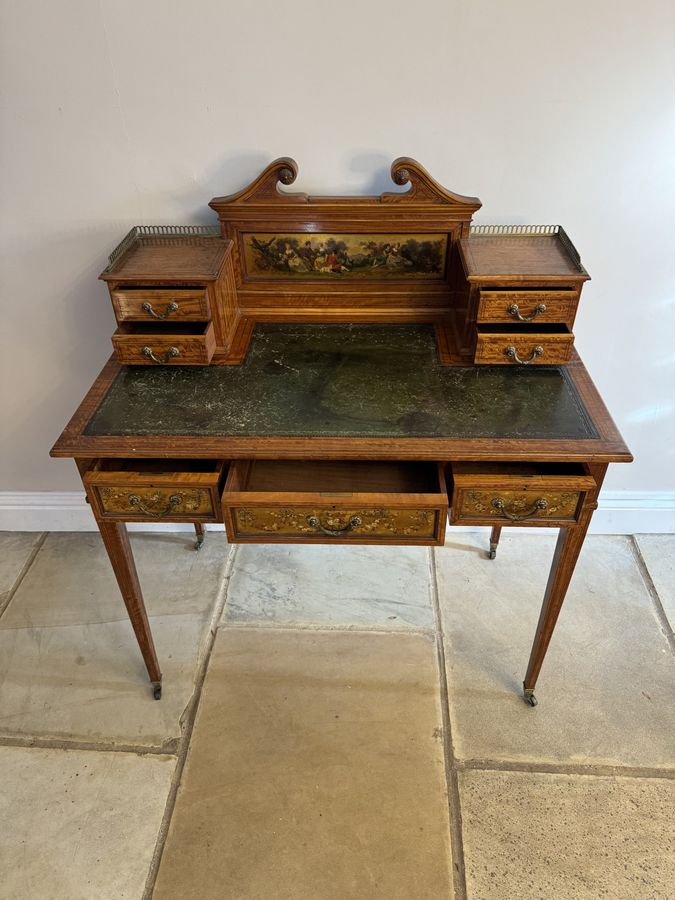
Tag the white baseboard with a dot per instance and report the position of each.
(619, 512)
(63, 511)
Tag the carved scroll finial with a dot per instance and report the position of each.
(265, 187)
(404, 170)
(287, 175)
(423, 187)
(400, 176)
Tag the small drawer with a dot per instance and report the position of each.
(527, 306)
(164, 344)
(547, 345)
(517, 493)
(151, 490)
(293, 501)
(165, 305)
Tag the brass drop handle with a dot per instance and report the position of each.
(172, 307)
(539, 505)
(171, 353)
(512, 353)
(315, 522)
(137, 502)
(514, 310)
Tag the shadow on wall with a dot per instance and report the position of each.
(657, 369)
(236, 170)
(377, 168)
(70, 313)
(62, 326)
(232, 173)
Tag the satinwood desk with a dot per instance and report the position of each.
(344, 433)
(344, 370)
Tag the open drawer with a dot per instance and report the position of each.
(151, 490)
(296, 501)
(164, 343)
(542, 345)
(517, 493)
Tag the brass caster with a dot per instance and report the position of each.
(530, 699)
(492, 554)
(157, 690)
(199, 542)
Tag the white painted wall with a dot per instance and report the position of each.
(139, 111)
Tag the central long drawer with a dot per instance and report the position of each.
(297, 501)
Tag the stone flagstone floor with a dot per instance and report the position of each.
(337, 723)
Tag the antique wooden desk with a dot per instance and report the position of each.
(338, 403)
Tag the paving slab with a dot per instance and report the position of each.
(71, 581)
(606, 687)
(70, 667)
(658, 552)
(530, 836)
(83, 824)
(15, 548)
(89, 683)
(282, 584)
(315, 771)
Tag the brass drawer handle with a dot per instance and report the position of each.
(137, 502)
(315, 522)
(512, 353)
(172, 307)
(171, 353)
(539, 505)
(514, 310)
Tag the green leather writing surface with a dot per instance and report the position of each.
(344, 381)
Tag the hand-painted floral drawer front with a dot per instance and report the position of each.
(301, 501)
(518, 493)
(156, 490)
(518, 506)
(344, 523)
(155, 503)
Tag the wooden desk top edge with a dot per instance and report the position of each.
(608, 447)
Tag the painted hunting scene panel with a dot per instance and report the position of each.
(339, 256)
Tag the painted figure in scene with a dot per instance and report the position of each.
(345, 255)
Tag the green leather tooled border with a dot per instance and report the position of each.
(370, 381)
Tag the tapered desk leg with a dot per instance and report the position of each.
(570, 542)
(199, 531)
(116, 540)
(494, 540)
